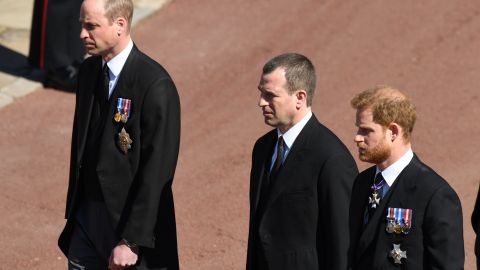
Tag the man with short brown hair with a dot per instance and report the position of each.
(403, 215)
(125, 142)
(301, 177)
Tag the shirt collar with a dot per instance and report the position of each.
(391, 172)
(291, 134)
(116, 63)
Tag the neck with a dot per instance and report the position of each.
(297, 118)
(118, 48)
(397, 152)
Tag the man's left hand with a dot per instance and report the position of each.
(123, 256)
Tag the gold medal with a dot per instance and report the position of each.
(117, 117)
(124, 141)
(397, 228)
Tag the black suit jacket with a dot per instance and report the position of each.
(476, 227)
(136, 186)
(435, 240)
(305, 218)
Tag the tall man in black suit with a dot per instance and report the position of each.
(124, 151)
(403, 214)
(301, 177)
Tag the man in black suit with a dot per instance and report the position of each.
(301, 177)
(125, 144)
(54, 43)
(476, 227)
(403, 215)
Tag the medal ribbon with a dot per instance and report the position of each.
(120, 104)
(407, 217)
(391, 214)
(398, 215)
(126, 107)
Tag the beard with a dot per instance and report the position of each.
(377, 154)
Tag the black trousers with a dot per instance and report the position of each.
(55, 34)
(93, 237)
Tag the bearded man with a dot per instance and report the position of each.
(403, 215)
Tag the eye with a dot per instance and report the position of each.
(363, 131)
(268, 96)
(89, 26)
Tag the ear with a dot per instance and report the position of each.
(301, 98)
(395, 131)
(121, 24)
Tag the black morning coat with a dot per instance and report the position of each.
(137, 185)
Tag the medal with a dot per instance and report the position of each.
(407, 221)
(124, 141)
(374, 200)
(124, 118)
(117, 117)
(399, 220)
(390, 225)
(123, 110)
(397, 254)
(397, 228)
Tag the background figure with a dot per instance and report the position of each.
(125, 142)
(301, 177)
(54, 43)
(403, 215)
(476, 227)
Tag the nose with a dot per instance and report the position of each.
(262, 102)
(83, 33)
(358, 138)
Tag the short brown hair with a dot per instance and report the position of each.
(388, 105)
(119, 8)
(299, 73)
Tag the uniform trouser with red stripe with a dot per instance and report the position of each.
(54, 37)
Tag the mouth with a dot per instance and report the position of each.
(361, 149)
(89, 45)
(265, 113)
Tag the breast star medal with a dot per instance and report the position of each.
(124, 141)
(397, 254)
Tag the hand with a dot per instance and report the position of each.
(122, 256)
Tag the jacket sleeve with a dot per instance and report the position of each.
(160, 140)
(335, 186)
(443, 231)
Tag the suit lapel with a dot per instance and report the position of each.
(260, 170)
(124, 85)
(124, 89)
(85, 105)
(294, 157)
(360, 204)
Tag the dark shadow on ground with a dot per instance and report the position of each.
(16, 64)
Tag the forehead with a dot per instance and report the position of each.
(273, 80)
(92, 10)
(364, 117)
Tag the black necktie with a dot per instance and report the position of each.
(279, 160)
(106, 82)
(374, 199)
